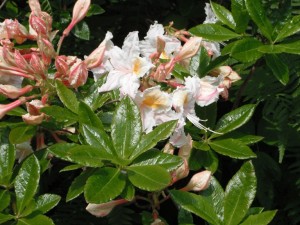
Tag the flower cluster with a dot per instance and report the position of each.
(142, 67)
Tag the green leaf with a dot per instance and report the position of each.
(240, 15)
(26, 182)
(155, 157)
(257, 13)
(5, 217)
(59, 113)
(184, 217)
(7, 159)
(46, 202)
(84, 155)
(223, 14)
(196, 204)
(289, 28)
(232, 148)
(149, 177)
(291, 47)
(234, 119)
(213, 32)
(239, 194)
(104, 185)
(4, 199)
(77, 186)
(46, 6)
(98, 138)
(95, 10)
(39, 219)
(246, 50)
(215, 194)
(207, 159)
(148, 141)
(82, 31)
(263, 218)
(126, 128)
(22, 133)
(88, 117)
(128, 192)
(67, 96)
(203, 62)
(246, 139)
(279, 68)
(271, 49)
(71, 167)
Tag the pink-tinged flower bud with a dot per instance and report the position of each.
(189, 49)
(35, 6)
(34, 106)
(13, 92)
(21, 63)
(6, 108)
(80, 9)
(61, 65)
(37, 24)
(46, 47)
(200, 181)
(181, 172)
(12, 29)
(95, 58)
(169, 149)
(78, 74)
(185, 151)
(101, 210)
(33, 119)
(38, 66)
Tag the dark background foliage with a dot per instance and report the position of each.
(276, 118)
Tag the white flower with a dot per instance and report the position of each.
(210, 15)
(127, 67)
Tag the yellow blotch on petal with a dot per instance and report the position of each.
(136, 66)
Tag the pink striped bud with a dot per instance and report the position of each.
(78, 74)
(61, 64)
(38, 25)
(6, 108)
(80, 9)
(181, 172)
(101, 210)
(35, 6)
(12, 92)
(38, 66)
(200, 181)
(12, 29)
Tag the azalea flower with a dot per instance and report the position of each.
(127, 67)
(151, 42)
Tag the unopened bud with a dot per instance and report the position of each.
(33, 119)
(34, 6)
(6, 108)
(78, 74)
(34, 106)
(61, 64)
(101, 210)
(181, 172)
(189, 49)
(200, 181)
(158, 222)
(13, 92)
(80, 9)
(185, 150)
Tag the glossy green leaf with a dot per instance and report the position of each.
(82, 31)
(246, 50)
(184, 217)
(46, 6)
(67, 96)
(88, 117)
(240, 15)
(59, 113)
(128, 192)
(22, 133)
(234, 119)
(126, 128)
(98, 138)
(207, 159)
(149, 177)
(215, 194)
(7, 159)
(71, 167)
(279, 68)
(77, 186)
(263, 218)
(196, 204)
(289, 28)
(46, 202)
(39, 219)
(291, 47)
(239, 194)
(271, 49)
(5, 217)
(246, 139)
(213, 32)
(95, 10)
(257, 13)
(104, 185)
(232, 148)
(155, 157)
(223, 14)
(95, 100)
(201, 62)
(4, 199)
(148, 141)
(26, 182)
(84, 155)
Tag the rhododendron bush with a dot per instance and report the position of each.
(136, 126)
